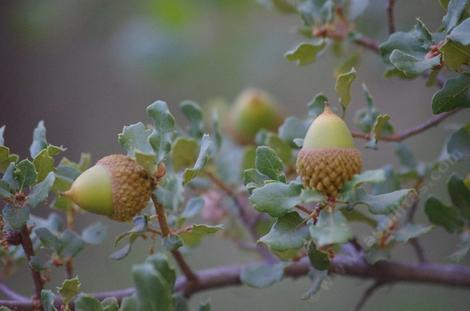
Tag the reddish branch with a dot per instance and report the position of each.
(411, 131)
(383, 271)
(390, 16)
(38, 282)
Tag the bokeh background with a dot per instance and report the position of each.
(89, 67)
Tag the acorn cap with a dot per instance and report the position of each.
(328, 157)
(252, 111)
(117, 187)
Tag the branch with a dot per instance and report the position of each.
(182, 264)
(411, 131)
(390, 15)
(384, 271)
(27, 245)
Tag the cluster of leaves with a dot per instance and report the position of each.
(25, 185)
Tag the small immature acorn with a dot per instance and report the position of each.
(252, 111)
(117, 187)
(328, 157)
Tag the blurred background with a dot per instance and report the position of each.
(89, 67)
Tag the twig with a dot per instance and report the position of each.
(418, 250)
(411, 131)
(390, 15)
(367, 43)
(70, 217)
(182, 264)
(368, 294)
(385, 271)
(27, 245)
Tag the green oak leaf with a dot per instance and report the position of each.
(69, 289)
(161, 264)
(86, 302)
(25, 173)
(343, 87)
(384, 203)
(306, 52)
(318, 259)
(454, 55)
(40, 191)
(412, 66)
(376, 131)
(16, 217)
(164, 125)
(276, 199)
(459, 143)
(454, 94)
(411, 231)
(331, 228)
(47, 300)
(455, 9)
(459, 195)
(461, 33)
(193, 113)
(293, 128)
(194, 236)
(286, 234)
(315, 108)
(204, 153)
(268, 163)
(152, 289)
(184, 152)
(443, 215)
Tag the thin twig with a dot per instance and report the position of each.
(368, 294)
(182, 264)
(411, 131)
(418, 250)
(391, 16)
(28, 249)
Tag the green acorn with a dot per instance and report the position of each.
(252, 111)
(328, 157)
(117, 187)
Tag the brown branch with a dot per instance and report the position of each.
(391, 16)
(384, 271)
(248, 217)
(182, 264)
(419, 251)
(368, 294)
(70, 218)
(28, 249)
(434, 121)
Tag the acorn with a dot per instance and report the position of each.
(117, 187)
(328, 157)
(252, 111)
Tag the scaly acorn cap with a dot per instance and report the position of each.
(252, 111)
(328, 157)
(117, 187)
